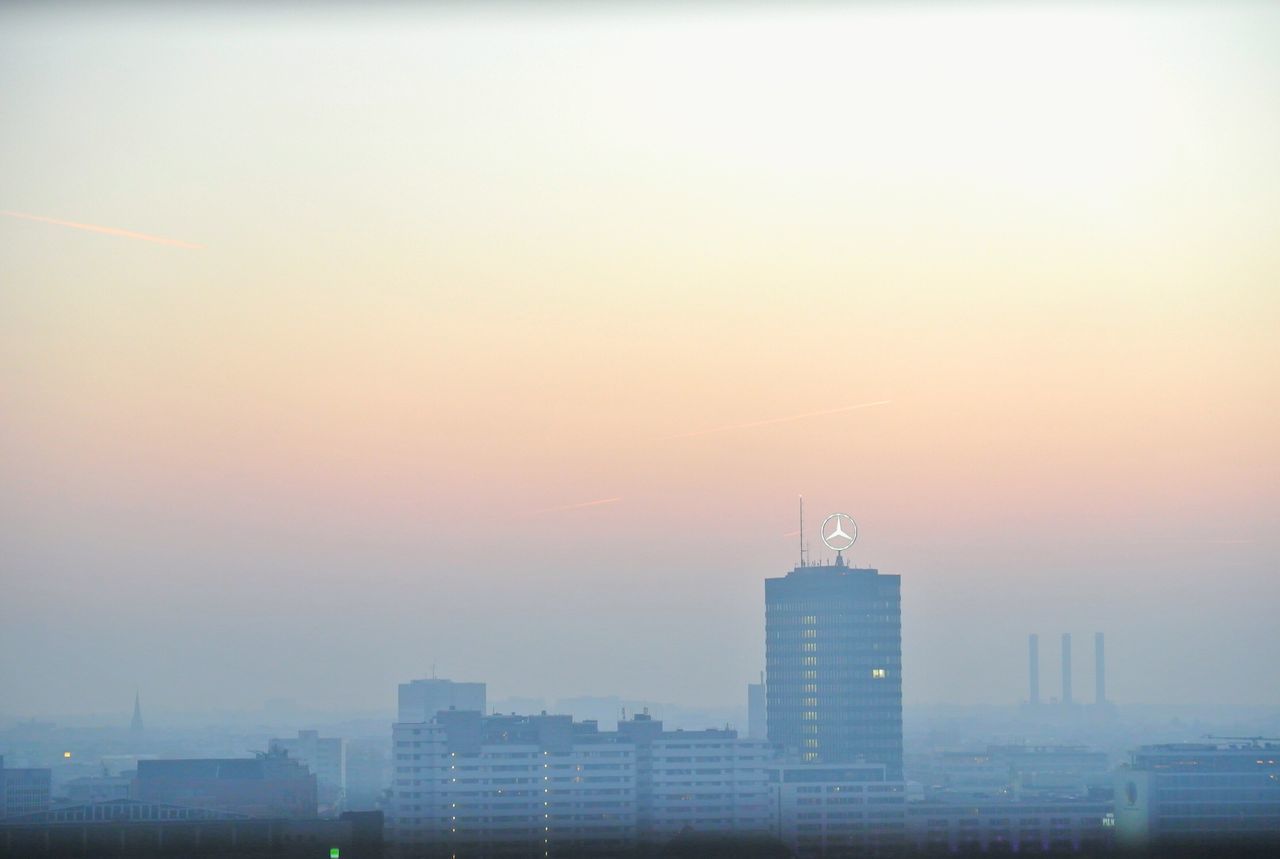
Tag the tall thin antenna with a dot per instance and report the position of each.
(802, 530)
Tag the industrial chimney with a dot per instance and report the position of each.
(1066, 669)
(1033, 654)
(1099, 670)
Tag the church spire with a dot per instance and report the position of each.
(136, 725)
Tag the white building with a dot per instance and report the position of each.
(996, 825)
(705, 782)
(467, 784)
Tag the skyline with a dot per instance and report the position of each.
(529, 331)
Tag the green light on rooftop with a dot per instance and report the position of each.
(334, 853)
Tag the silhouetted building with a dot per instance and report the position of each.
(420, 700)
(1066, 669)
(1199, 794)
(272, 785)
(137, 828)
(833, 643)
(326, 757)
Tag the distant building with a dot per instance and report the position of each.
(1199, 794)
(326, 757)
(822, 810)
(99, 788)
(1006, 825)
(833, 645)
(271, 785)
(757, 711)
(23, 790)
(1017, 772)
(420, 700)
(709, 782)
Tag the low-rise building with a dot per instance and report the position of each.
(1199, 794)
(829, 810)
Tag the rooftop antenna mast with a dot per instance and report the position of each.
(802, 563)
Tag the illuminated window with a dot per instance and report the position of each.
(811, 675)
(811, 744)
(810, 756)
(809, 715)
(811, 687)
(811, 702)
(810, 647)
(811, 633)
(810, 619)
(811, 660)
(878, 673)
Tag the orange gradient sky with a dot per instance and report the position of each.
(466, 276)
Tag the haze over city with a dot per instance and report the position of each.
(339, 345)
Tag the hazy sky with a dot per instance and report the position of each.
(460, 272)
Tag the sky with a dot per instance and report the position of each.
(338, 343)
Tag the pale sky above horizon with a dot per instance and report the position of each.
(476, 331)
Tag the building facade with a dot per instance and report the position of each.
(823, 810)
(833, 654)
(24, 790)
(1199, 794)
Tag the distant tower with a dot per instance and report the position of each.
(135, 726)
(1066, 669)
(1099, 670)
(1033, 656)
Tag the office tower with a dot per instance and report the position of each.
(757, 724)
(420, 700)
(324, 756)
(1033, 654)
(23, 790)
(271, 785)
(833, 647)
(1099, 670)
(1066, 669)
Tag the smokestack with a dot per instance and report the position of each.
(1066, 668)
(1033, 653)
(1099, 670)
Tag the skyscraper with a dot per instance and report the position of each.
(833, 655)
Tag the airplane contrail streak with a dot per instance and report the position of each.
(111, 231)
(768, 421)
(577, 506)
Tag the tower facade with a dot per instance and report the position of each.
(833, 656)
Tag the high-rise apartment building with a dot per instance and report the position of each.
(420, 700)
(833, 651)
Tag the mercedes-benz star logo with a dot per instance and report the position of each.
(837, 537)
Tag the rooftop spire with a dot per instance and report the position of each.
(136, 724)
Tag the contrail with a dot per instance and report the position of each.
(111, 231)
(577, 506)
(775, 420)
